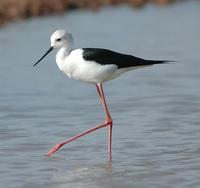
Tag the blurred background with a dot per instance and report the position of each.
(20, 9)
(155, 110)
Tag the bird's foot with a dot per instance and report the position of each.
(54, 149)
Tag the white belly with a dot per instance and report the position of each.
(91, 72)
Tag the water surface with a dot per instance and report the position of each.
(156, 141)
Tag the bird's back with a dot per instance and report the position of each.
(104, 57)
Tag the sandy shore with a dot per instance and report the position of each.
(11, 10)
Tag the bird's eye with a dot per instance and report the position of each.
(58, 39)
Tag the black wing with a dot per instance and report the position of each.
(104, 57)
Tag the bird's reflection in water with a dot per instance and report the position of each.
(93, 176)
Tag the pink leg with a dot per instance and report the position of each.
(57, 146)
(107, 122)
(100, 95)
(108, 119)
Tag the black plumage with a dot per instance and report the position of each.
(105, 57)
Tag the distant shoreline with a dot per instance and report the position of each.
(13, 10)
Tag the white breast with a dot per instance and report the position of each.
(74, 66)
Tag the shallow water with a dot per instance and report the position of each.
(156, 141)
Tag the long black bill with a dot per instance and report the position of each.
(48, 51)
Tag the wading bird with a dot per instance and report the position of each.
(95, 66)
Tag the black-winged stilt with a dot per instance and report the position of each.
(92, 65)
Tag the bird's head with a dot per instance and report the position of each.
(59, 39)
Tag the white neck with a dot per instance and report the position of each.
(60, 56)
(64, 50)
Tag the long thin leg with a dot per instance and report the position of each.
(108, 119)
(107, 122)
(103, 101)
(100, 95)
(59, 145)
